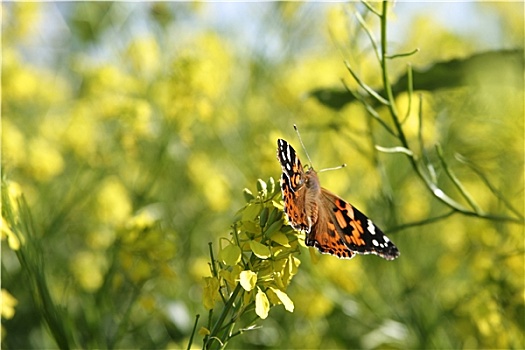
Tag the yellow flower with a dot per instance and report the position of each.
(45, 160)
(21, 18)
(338, 23)
(144, 55)
(12, 239)
(215, 188)
(13, 144)
(88, 269)
(81, 131)
(8, 304)
(114, 204)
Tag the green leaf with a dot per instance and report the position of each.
(263, 218)
(230, 255)
(261, 185)
(262, 305)
(251, 211)
(271, 185)
(250, 229)
(273, 228)
(248, 195)
(260, 250)
(281, 238)
(248, 279)
(482, 68)
(275, 214)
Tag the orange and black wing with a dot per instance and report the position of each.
(356, 230)
(292, 186)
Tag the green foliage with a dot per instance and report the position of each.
(456, 73)
(254, 267)
(127, 139)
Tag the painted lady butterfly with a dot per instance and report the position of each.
(331, 224)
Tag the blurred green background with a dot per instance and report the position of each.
(131, 129)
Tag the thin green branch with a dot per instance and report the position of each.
(214, 269)
(420, 129)
(456, 182)
(422, 222)
(369, 109)
(367, 88)
(410, 86)
(431, 185)
(126, 316)
(397, 149)
(422, 150)
(386, 82)
(370, 8)
(30, 257)
(193, 331)
(212, 259)
(369, 34)
(219, 323)
(491, 187)
(210, 315)
(404, 54)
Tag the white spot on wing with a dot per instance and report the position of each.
(375, 243)
(371, 227)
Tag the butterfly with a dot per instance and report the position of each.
(331, 224)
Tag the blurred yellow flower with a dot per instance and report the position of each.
(144, 55)
(81, 132)
(415, 208)
(109, 82)
(141, 118)
(212, 74)
(211, 292)
(8, 303)
(144, 219)
(199, 267)
(101, 239)
(12, 239)
(314, 305)
(13, 144)
(429, 131)
(215, 188)
(338, 23)
(113, 202)
(142, 271)
(21, 19)
(88, 269)
(45, 160)
(14, 192)
(21, 82)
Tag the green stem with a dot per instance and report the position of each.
(436, 191)
(218, 325)
(386, 83)
(193, 331)
(422, 222)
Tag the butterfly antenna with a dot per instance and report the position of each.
(334, 168)
(302, 144)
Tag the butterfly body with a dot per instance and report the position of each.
(331, 224)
